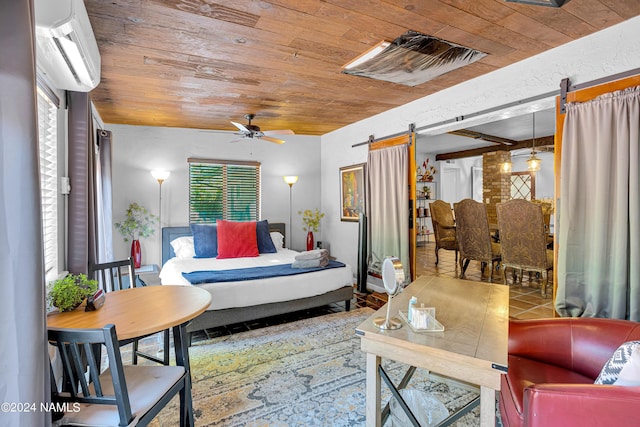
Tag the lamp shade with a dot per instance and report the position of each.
(505, 167)
(533, 162)
(291, 179)
(160, 175)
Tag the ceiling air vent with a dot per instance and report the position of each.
(413, 59)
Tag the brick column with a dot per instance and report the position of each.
(496, 186)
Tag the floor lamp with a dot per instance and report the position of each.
(160, 176)
(291, 179)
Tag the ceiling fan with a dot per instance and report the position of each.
(253, 131)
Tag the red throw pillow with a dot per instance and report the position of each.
(237, 239)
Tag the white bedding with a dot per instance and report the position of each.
(248, 293)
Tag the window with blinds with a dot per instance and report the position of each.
(220, 189)
(48, 151)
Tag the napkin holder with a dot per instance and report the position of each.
(95, 301)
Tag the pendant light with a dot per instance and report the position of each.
(533, 161)
(505, 167)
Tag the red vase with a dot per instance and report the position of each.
(136, 253)
(310, 241)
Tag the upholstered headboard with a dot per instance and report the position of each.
(171, 233)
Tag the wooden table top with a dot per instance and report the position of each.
(139, 311)
(475, 316)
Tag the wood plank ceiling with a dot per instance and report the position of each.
(202, 63)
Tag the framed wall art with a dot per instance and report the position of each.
(352, 192)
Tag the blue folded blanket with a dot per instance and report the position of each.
(213, 276)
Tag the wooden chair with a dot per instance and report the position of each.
(444, 227)
(524, 240)
(111, 277)
(474, 237)
(119, 396)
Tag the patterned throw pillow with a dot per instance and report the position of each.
(611, 370)
(630, 374)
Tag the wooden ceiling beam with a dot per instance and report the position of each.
(483, 136)
(540, 144)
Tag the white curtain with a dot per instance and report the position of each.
(104, 197)
(387, 171)
(24, 362)
(599, 210)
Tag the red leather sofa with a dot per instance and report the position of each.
(552, 366)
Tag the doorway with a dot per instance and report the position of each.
(450, 184)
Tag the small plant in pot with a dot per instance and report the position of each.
(68, 293)
(138, 223)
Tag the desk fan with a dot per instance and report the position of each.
(393, 280)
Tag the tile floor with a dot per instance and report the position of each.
(525, 302)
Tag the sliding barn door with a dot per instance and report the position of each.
(597, 168)
(391, 207)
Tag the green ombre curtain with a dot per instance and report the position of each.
(599, 211)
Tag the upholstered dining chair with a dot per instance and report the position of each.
(547, 210)
(474, 237)
(524, 240)
(111, 277)
(444, 227)
(118, 396)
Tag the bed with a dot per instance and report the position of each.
(245, 300)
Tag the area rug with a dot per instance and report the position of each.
(305, 373)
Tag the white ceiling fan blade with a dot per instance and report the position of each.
(241, 127)
(276, 140)
(279, 132)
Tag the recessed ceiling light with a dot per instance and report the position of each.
(412, 59)
(369, 54)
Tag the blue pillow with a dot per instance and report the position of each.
(265, 244)
(205, 240)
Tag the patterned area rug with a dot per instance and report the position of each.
(305, 373)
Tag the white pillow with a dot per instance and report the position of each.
(278, 239)
(618, 360)
(630, 374)
(183, 247)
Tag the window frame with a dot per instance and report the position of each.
(231, 170)
(53, 207)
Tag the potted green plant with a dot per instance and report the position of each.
(138, 223)
(67, 294)
(311, 220)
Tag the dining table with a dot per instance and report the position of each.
(142, 311)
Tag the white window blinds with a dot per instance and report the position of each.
(220, 189)
(48, 142)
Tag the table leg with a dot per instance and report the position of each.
(487, 406)
(181, 345)
(373, 410)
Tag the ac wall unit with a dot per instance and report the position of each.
(67, 52)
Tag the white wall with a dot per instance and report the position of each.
(602, 54)
(138, 149)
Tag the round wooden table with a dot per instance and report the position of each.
(138, 312)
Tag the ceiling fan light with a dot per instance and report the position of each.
(549, 3)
